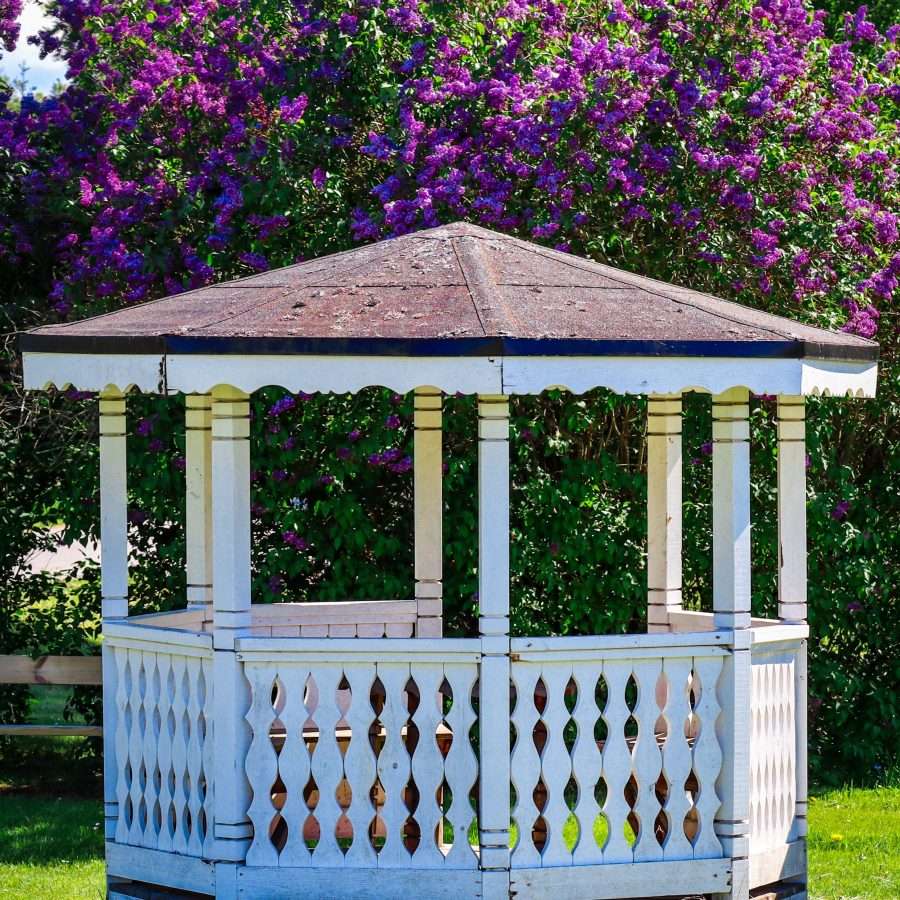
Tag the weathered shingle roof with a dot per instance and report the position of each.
(454, 290)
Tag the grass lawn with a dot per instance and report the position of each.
(51, 847)
(854, 845)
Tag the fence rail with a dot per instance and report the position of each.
(50, 670)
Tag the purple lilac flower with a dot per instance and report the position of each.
(840, 510)
(282, 406)
(292, 539)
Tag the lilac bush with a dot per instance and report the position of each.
(724, 143)
(728, 144)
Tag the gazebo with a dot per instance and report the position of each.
(349, 749)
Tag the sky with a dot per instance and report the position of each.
(41, 72)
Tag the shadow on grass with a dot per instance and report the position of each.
(51, 765)
(51, 808)
(44, 830)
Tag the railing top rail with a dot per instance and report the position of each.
(129, 633)
(268, 649)
(780, 633)
(702, 640)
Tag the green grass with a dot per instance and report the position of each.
(51, 848)
(854, 845)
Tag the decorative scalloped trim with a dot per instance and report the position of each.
(466, 375)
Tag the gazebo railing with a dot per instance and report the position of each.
(362, 752)
(620, 745)
(163, 738)
(363, 759)
(777, 782)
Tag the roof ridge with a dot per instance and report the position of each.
(483, 285)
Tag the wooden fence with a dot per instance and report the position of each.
(71, 670)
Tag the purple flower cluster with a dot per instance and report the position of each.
(10, 10)
(292, 539)
(392, 459)
(196, 138)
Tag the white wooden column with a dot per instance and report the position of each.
(731, 610)
(792, 565)
(198, 502)
(231, 617)
(663, 510)
(113, 575)
(493, 624)
(731, 509)
(791, 509)
(428, 511)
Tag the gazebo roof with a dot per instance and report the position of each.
(449, 292)
(456, 290)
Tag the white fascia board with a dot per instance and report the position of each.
(94, 371)
(199, 373)
(669, 375)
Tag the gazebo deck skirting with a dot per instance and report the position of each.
(349, 749)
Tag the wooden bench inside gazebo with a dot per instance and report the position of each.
(350, 750)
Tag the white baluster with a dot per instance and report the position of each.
(136, 746)
(427, 763)
(194, 751)
(359, 764)
(556, 765)
(647, 760)
(124, 723)
(179, 755)
(164, 755)
(208, 758)
(294, 765)
(394, 763)
(327, 765)
(150, 749)
(461, 764)
(616, 761)
(707, 755)
(262, 763)
(525, 766)
(587, 762)
(676, 754)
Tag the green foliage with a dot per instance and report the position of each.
(882, 13)
(331, 491)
